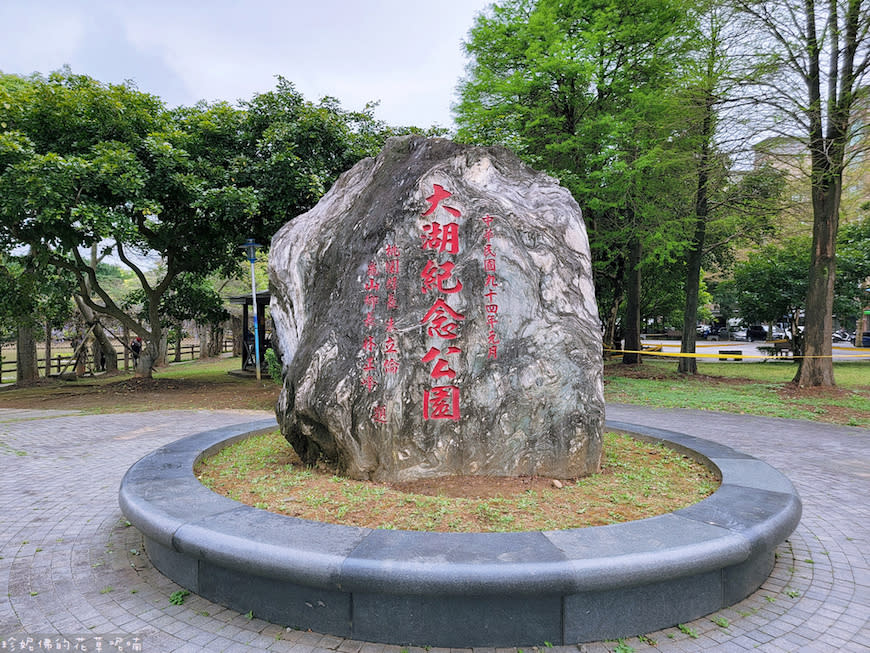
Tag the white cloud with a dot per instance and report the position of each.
(404, 53)
(37, 36)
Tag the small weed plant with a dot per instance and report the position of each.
(688, 630)
(177, 597)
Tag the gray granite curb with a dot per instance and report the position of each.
(464, 589)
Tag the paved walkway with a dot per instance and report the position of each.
(74, 572)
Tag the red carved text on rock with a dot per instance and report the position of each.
(441, 402)
(438, 194)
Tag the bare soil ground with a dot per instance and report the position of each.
(131, 394)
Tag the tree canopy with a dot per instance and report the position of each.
(584, 90)
(619, 101)
(812, 64)
(86, 164)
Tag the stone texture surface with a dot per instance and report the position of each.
(436, 315)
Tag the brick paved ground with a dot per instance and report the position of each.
(73, 569)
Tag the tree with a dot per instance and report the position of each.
(729, 212)
(853, 270)
(582, 90)
(80, 176)
(85, 164)
(727, 207)
(189, 298)
(813, 64)
(292, 151)
(30, 298)
(772, 284)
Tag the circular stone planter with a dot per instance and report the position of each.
(464, 589)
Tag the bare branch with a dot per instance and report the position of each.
(135, 268)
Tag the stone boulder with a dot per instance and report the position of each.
(435, 314)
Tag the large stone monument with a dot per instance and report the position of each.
(436, 315)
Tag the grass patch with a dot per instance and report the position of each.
(188, 385)
(638, 480)
(751, 388)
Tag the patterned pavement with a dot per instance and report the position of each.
(77, 578)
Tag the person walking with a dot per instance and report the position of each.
(136, 348)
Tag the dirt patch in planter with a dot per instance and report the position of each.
(637, 480)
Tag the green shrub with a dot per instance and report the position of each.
(274, 366)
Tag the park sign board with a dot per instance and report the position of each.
(435, 315)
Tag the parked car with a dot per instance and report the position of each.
(756, 332)
(718, 333)
(740, 334)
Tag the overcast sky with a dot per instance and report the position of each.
(406, 54)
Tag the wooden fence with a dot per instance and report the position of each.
(61, 361)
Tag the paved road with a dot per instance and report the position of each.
(708, 350)
(74, 571)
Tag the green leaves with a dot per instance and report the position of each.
(85, 163)
(32, 293)
(585, 90)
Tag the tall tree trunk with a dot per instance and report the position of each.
(827, 156)
(178, 339)
(27, 368)
(632, 306)
(47, 349)
(154, 343)
(689, 364)
(816, 368)
(102, 343)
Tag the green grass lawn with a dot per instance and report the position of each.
(751, 388)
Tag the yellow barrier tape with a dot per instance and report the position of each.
(676, 354)
(722, 343)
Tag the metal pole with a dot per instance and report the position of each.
(252, 258)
